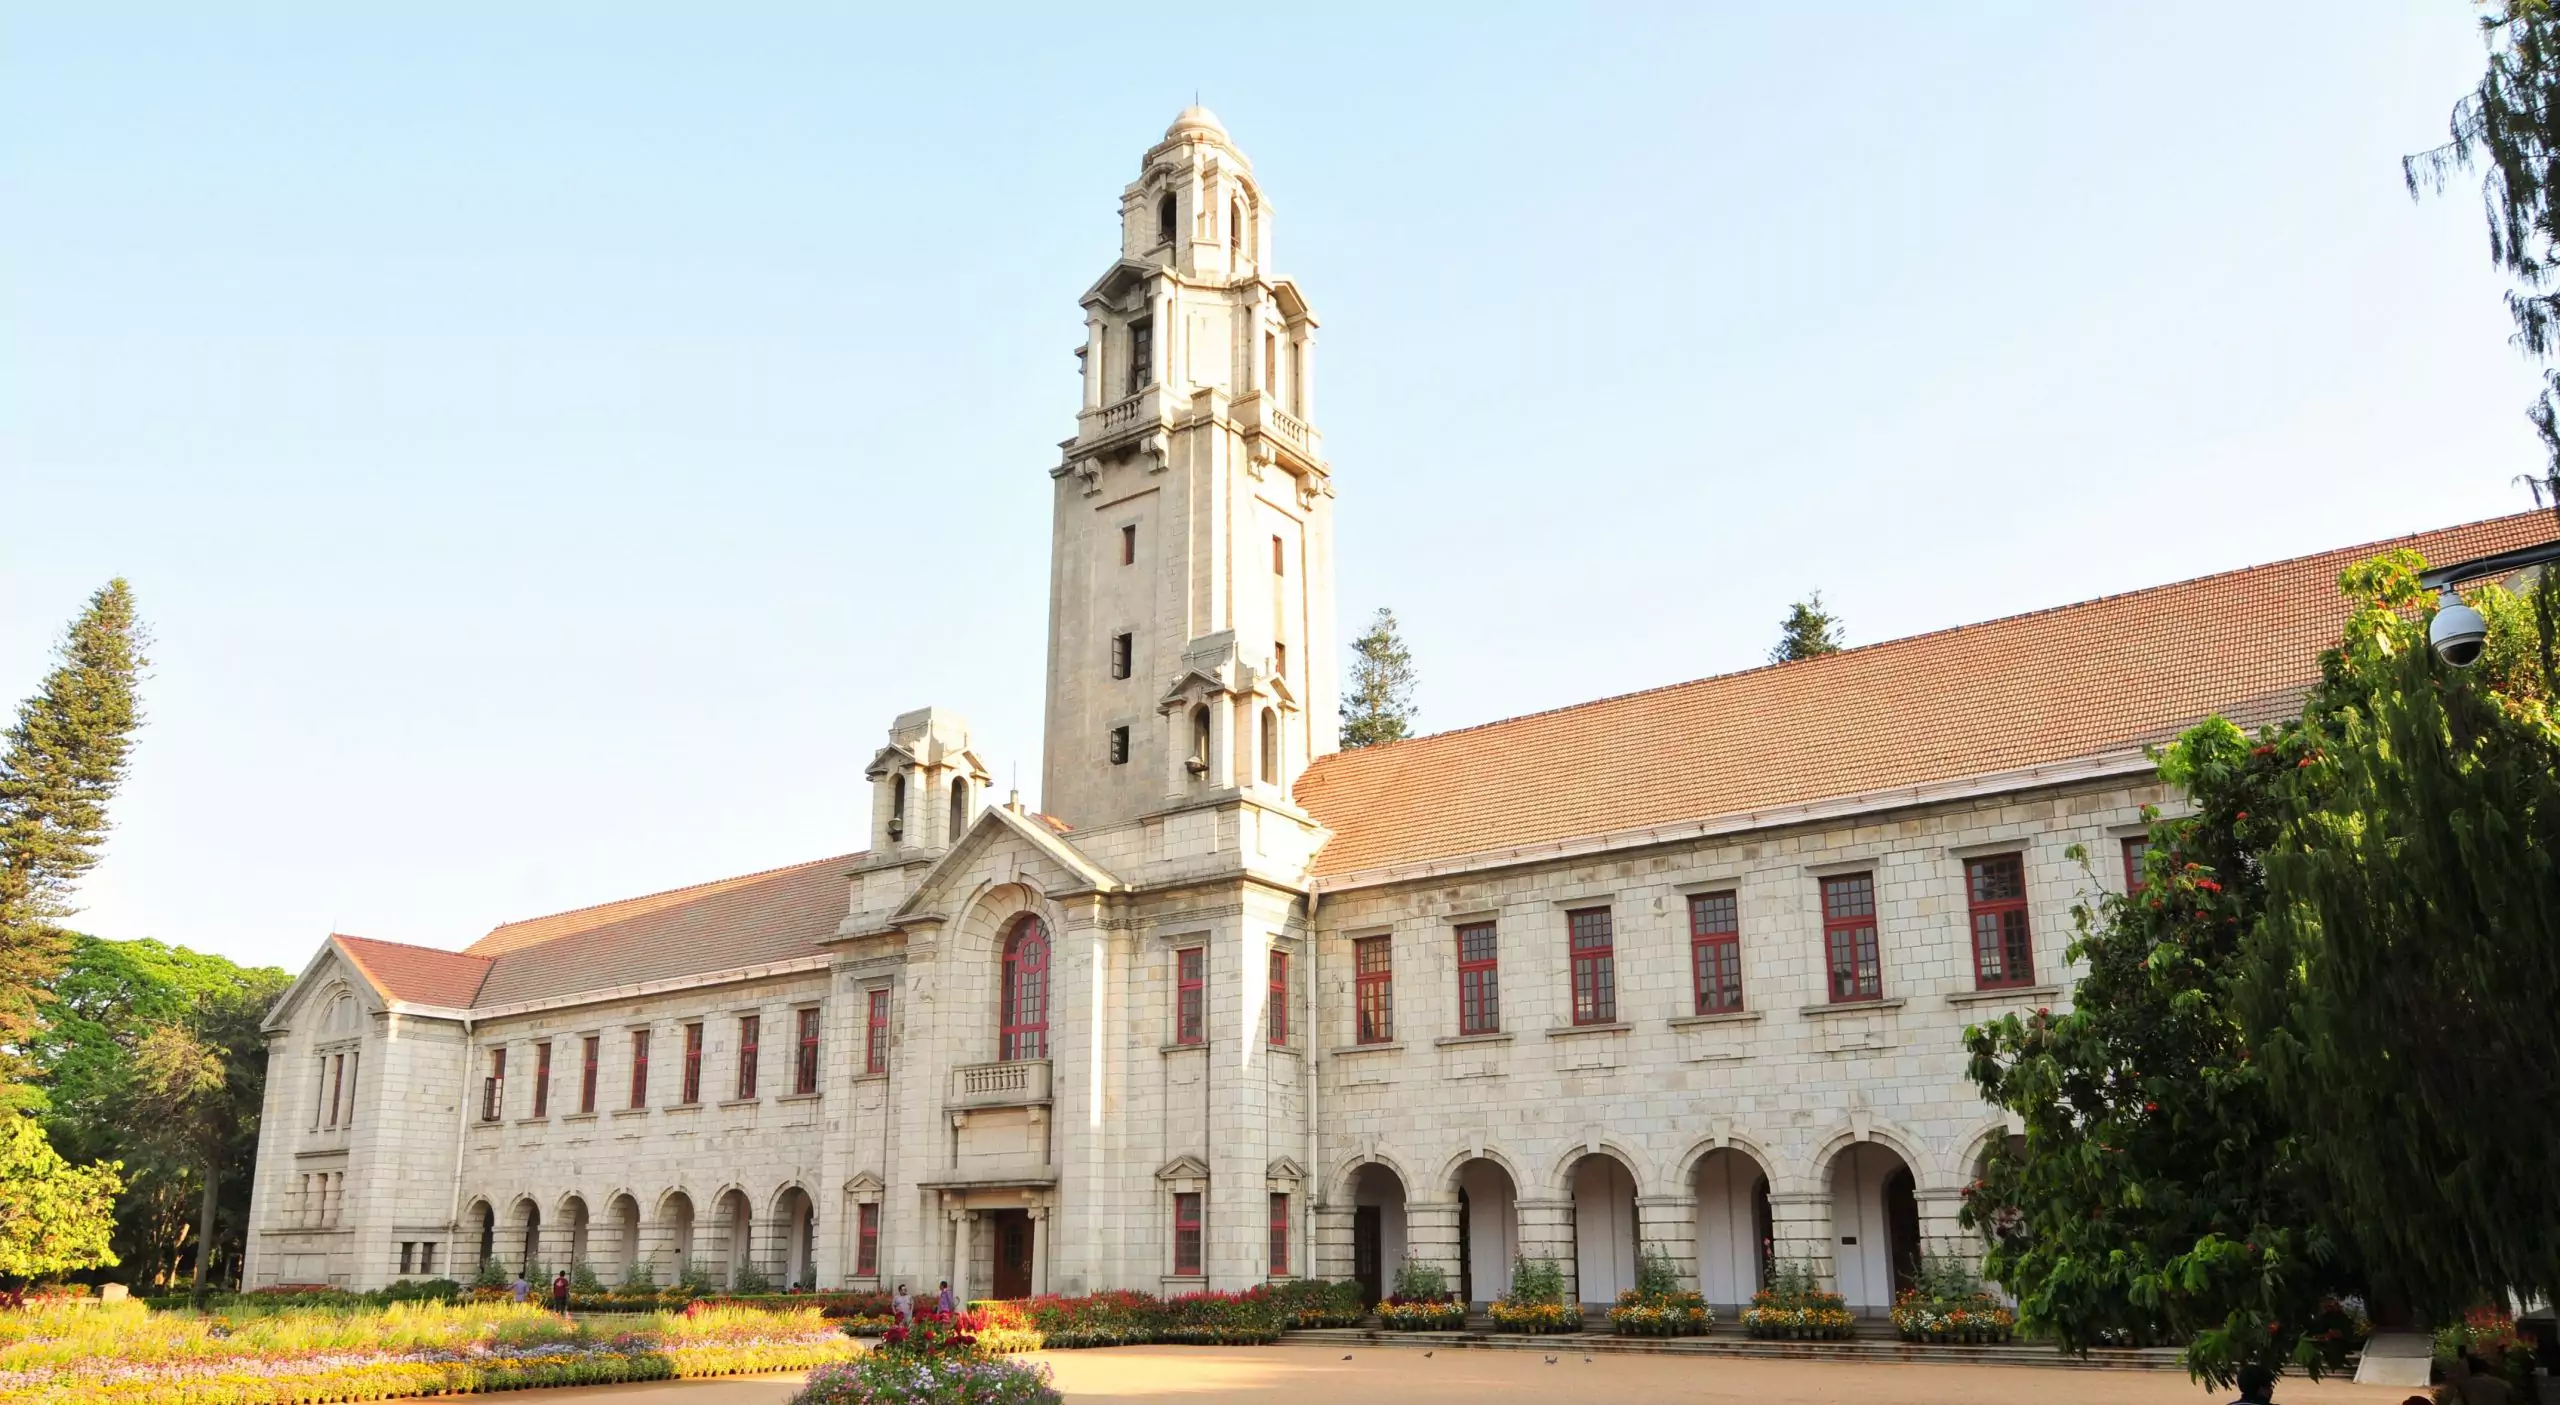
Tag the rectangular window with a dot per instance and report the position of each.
(493, 1090)
(337, 1086)
(1129, 544)
(1479, 979)
(866, 1244)
(427, 1258)
(1123, 647)
(1373, 975)
(692, 1063)
(1996, 898)
(875, 1058)
(408, 1251)
(1186, 1233)
(804, 1073)
(639, 1068)
(1275, 1014)
(1279, 1233)
(1595, 966)
(542, 1079)
(1119, 746)
(1271, 363)
(1297, 378)
(1715, 952)
(1279, 558)
(750, 1028)
(1849, 935)
(590, 1058)
(2134, 851)
(1142, 355)
(1190, 995)
(353, 1061)
(1280, 657)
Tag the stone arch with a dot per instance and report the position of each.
(675, 1215)
(1486, 1185)
(985, 921)
(575, 1219)
(1602, 1182)
(1771, 1165)
(1872, 1186)
(1732, 1180)
(1913, 1151)
(1560, 1172)
(623, 1230)
(520, 1242)
(1457, 1162)
(1349, 1167)
(1964, 1170)
(733, 1217)
(1378, 1192)
(794, 1219)
(480, 1221)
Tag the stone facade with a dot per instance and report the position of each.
(1053, 1052)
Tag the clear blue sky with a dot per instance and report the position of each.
(551, 441)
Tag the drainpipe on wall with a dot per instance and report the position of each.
(461, 1131)
(1309, 1195)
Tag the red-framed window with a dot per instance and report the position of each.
(1025, 1031)
(750, 1036)
(1479, 979)
(804, 1068)
(1186, 1233)
(1715, 952)
(2135, 849)
(1275, 1015)
(866, 1244)
(1373, 979)
(875, 1040)
(542, 1079)
(1191, 995)
(493, 1089)
(1595, 966)
(1849, 937)
(693, 1063)
(1279, 1233)
(590, 1057)
(1996, 898)
(639, 1068)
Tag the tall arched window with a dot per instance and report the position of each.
(1199, 762)
(1235, 226)
(897, 806)
(1026, 990)
(959, 808)
(1270, 747)
(1164, 219)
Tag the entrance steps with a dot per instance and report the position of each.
(1871, 1344)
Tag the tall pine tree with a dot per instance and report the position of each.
(1378, 706)
(65, 757)
(1807, 632)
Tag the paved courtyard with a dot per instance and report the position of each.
(1403, 1376)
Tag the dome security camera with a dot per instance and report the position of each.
(2457, 633)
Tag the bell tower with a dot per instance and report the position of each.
(1191, 637)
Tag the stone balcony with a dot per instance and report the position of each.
(1016, 1083)
(1257, 413)
(1122, 418)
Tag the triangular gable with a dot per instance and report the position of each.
(327, 969)
(866, 1183)
(1115, 278)
(1183, 1168)
(1073, 872)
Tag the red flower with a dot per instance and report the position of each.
(2150, 1107)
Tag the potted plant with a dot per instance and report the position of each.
(1421, 1301)
(1948, 1305)
(1658, 1306)
(1796, 1307)
(1536, 1300)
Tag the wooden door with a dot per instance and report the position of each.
(1013, 1254)
(1367, 1244)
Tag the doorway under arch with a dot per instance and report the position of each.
(623, 1247)
(1488, 1230)
(1875, 1219)
(1604, 1228)
(1735, 1228)
(1377, 1229)
(736, 1219)
(799, 1220)
(675, 1219)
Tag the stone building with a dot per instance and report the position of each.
(1683, 970)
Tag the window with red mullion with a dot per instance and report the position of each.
(693, 1063)
(1373, 978)
(1275, 1017)
(1190, 995)
(805, 1075)
(1595, 966)
(1186, 1233)
(2134, 851)
(1996, 898)
(1715, 952)
(866, 1253)
(590, 1060)
(1479, 979)
(1025, 1032)
(1279, 1233)
(542, 1079)
(1849, 936)
(493, 1093)
(875, 1057)
(750, 1030)
(639, 1068)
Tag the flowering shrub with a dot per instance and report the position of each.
(1795, 1307)
(883, 1378)
(1948, 1304)
(2489, 1334)
(128, 1355)
(1673, 1314)
(1248, 1318)
(1100, 1319)
(1536, 1300)
(1402, 1314)
(1313, 1302)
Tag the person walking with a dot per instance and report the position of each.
(560, 1291)
(519, 1290)
(902, 1306)
(944, 1303)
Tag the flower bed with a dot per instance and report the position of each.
(128, 1355)
(1535, 1317)
(1314, 1302)
(1794, 1307)
(1977, 1319)
(892, 1379)
(1400, 1314)
(1672, 1314)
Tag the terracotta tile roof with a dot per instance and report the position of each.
(2031, 689)
(420, 975)
(751, 920)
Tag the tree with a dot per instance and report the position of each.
(1379, 706)
(1808, 631)
(2156, 1199)
(54, 1217)
(2510, 124)
(64, 759)
(2401, 985)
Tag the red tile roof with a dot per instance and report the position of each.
(2032, 689)
(755, 919)
(419, 975)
